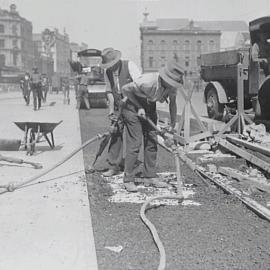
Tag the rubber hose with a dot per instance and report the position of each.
(150, 225)
(11, 187)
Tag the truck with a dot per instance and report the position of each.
(220, 72)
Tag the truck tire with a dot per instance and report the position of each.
(214, 108)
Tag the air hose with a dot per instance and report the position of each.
(13, 187)
(179, 197)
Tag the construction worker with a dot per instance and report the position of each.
(26, 87)
(117, 73)
(82, 93)
(142, 95)
(36, 88)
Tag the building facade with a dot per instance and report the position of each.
(178, 39)
(16, 44)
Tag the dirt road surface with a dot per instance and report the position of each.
(210, 230)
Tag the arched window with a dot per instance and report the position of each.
(187, 46)
(150, 44)
(2, 28)
(212, 45)
(162, 44)
(199, 46)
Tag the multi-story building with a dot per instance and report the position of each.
(180, 39)
(16, 44)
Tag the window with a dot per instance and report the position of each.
(211, 45)
(2, 43)
(162, 44)
(151, 61)
(187, 61)
(199, 46)
(175, 57)
(15, 56)
(150, 44)
(2, 60)
(187, 46)
(2, 28)
(175, 44)
(15, 43)
(162, 61)
(14, 29)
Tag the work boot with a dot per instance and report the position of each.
(111, 172)
(130, 187)
(150, 181)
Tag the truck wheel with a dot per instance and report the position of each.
(214, 108)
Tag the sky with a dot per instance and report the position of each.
(115, 23)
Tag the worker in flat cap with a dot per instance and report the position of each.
(142, 95)
(117, 73)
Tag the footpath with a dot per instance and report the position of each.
(47, 224)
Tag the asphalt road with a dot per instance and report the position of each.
(212, 230)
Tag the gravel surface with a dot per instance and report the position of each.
(220, 233)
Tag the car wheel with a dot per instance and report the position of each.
(214, 108)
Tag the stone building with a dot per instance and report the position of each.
(180, 39)
(16, 44)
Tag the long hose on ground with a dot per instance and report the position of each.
(12, 187)
(179, 197)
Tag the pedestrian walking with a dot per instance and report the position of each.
(44, 87)
(142, 96)
(26, 87)
(36, 88)
(117, 73)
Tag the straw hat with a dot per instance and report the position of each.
(172, 73)
(109, 57)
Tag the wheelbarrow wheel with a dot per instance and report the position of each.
(30, 142)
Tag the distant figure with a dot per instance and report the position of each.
(44, 87)
(82, 93)
(26, 87)
(65, 87)
(36, 88)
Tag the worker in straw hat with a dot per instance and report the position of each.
(142, 95)
(117, 73)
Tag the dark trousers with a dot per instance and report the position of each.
(115, 150)
(137, 130)
(37, 96)
(26, 95)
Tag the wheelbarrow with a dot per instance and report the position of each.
(34, 131)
